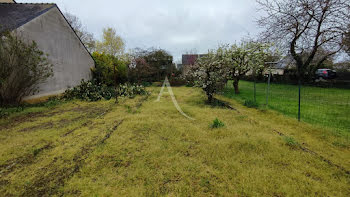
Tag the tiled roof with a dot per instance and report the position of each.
(14, 15)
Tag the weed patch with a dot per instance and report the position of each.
(222, 104)
(251, 104)
(217, 124)
(290, 141)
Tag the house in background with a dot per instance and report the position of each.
(46, 25)
(189, 60)
(179, 67)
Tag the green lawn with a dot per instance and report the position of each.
(329, 107)
(140, 147)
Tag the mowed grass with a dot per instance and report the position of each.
(324, 107)
(140, 147)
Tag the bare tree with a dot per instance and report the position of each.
(86, 37)
(305, 26)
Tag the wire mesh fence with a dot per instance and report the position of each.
(326, 107)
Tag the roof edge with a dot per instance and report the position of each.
(76, 34)
(43, 12)
(30, 19)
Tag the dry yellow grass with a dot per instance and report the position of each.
(145, 148)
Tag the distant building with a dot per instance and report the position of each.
(188, 60)
(179, 66)
(46, 25)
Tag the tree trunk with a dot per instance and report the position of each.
(235, 85)
(210, 98)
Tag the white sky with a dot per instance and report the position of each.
(177, 26)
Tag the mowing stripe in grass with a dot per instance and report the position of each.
(23, 160)
(49, 183)
(305, 149)
(110, 132)
(87, 121)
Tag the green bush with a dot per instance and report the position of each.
(22, 68)
(89, 91)
(104, 70)
(95, 91)
(50, 103)
(177, 81)
(146, 84)
(4, 112)
(128, 90)
(290, 141)
(217, 124)
(251, 104)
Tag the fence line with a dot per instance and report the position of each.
(328, 107)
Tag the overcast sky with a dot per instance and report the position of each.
(178, 26)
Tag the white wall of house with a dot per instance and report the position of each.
(71, 61)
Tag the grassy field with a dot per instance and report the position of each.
(325, 107)
(140, 147)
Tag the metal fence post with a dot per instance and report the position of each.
(299, 84)
(268, 89)
(254, 91)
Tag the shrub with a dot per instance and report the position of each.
(90, 91)
(104, 70)
(95, 91)
(217, 124)
(290, 141)
(146, 84)
(128, 90)
(177, 81)
(251, 104)
(51, 102)
(22, 67)
(4, 112)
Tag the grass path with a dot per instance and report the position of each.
(142, 147)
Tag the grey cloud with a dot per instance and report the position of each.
(176, 25)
